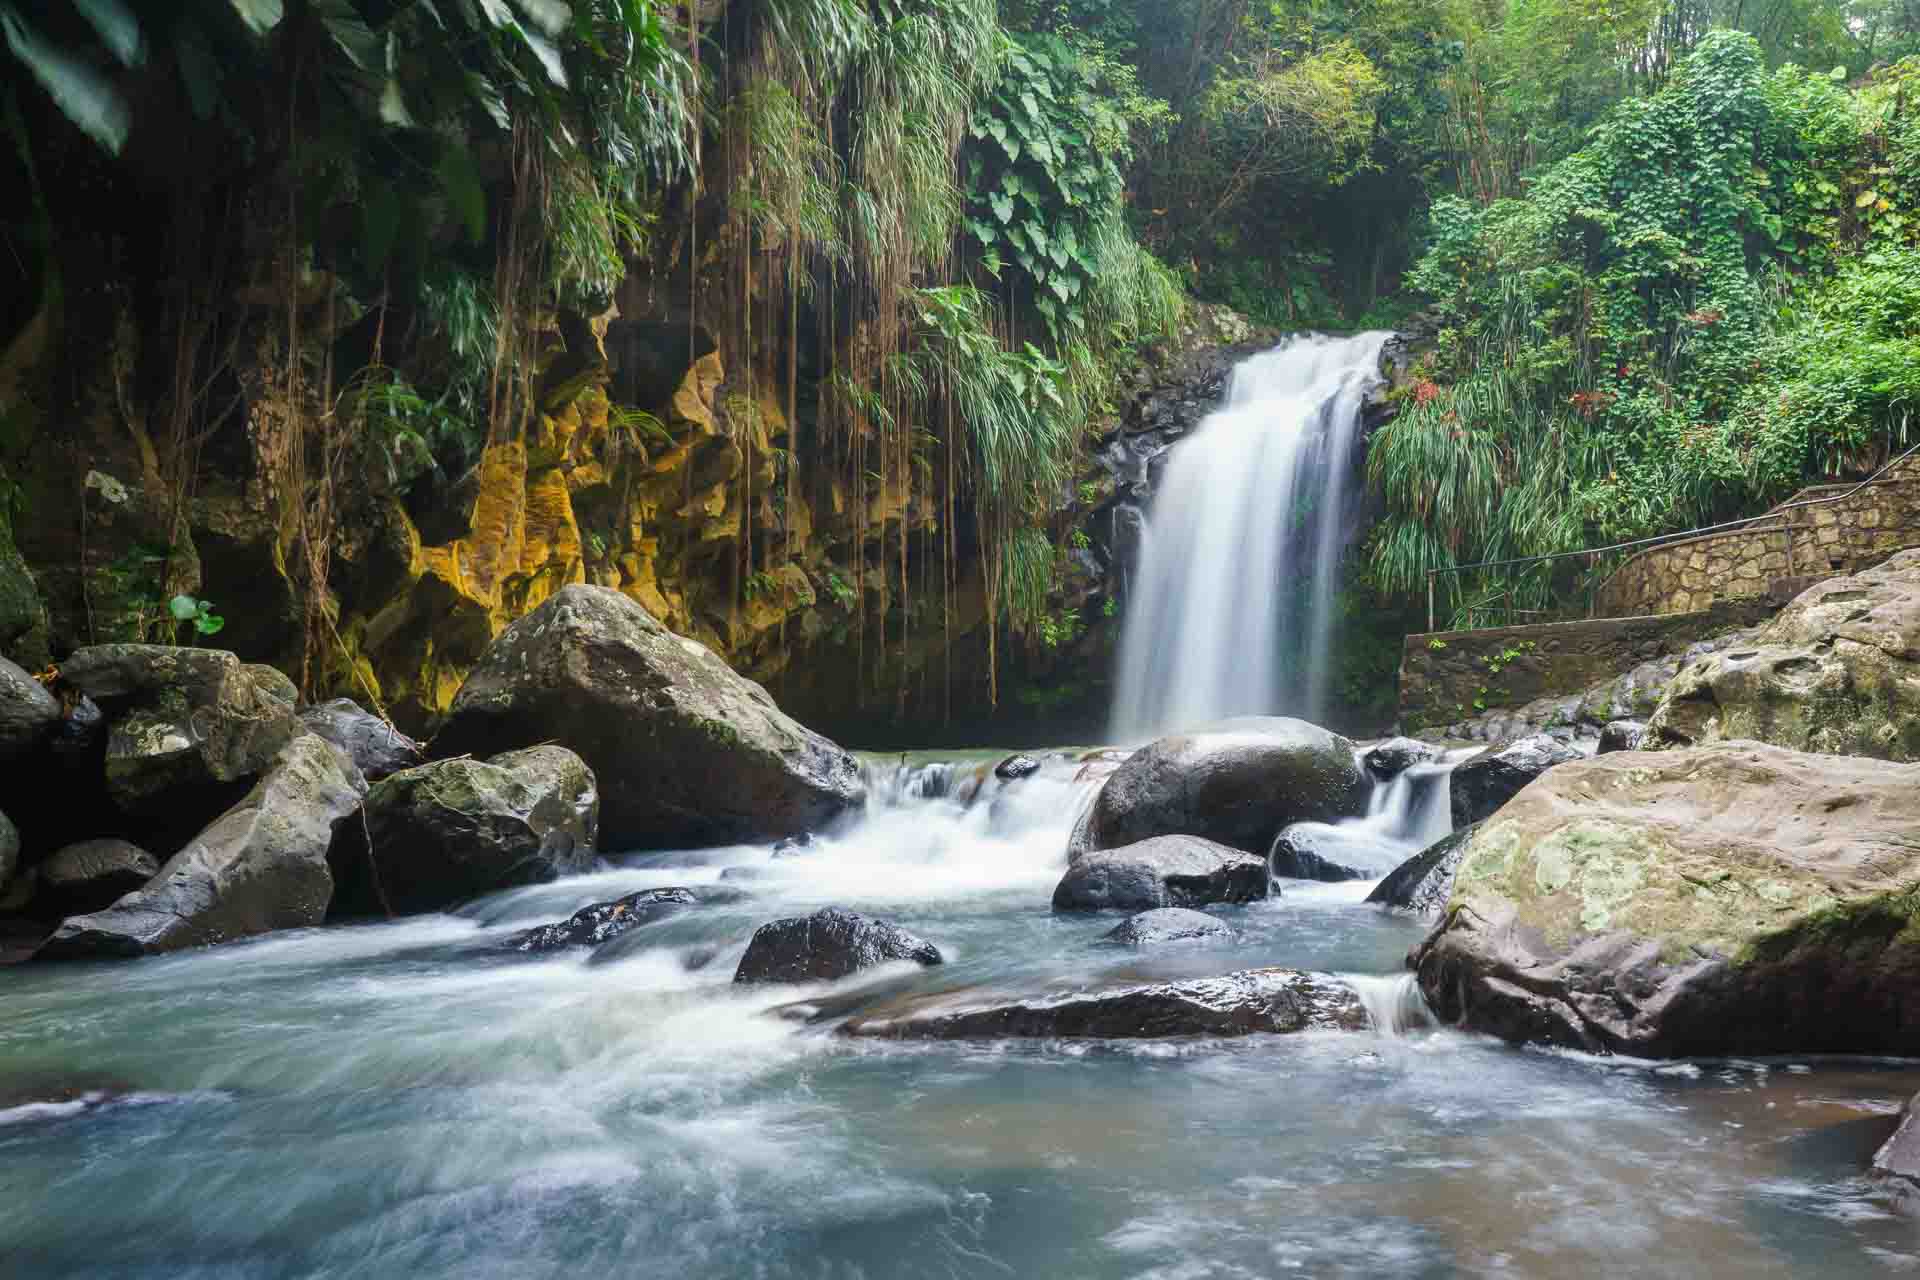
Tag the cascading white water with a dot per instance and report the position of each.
(1231, 610)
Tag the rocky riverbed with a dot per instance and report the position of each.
(309, 996)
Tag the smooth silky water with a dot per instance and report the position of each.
(1231, 612)
(407, 1100)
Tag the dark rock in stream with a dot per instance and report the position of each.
(687, 752)
(798, 846)
(1165, 926)
(1238, 1004)
(93, 874)
(829, 944)
(604, 921)
(1166, 871)
(261, 866)
(1482, 784)
(1896, 1165)
(1310, 851)
(1423, 883)
(1389, 759)
(1016, 767)
(1236, 782)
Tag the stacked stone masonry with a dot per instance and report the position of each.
(1855, 532)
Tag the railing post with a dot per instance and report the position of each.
(1430, 626)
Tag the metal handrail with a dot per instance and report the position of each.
(1661, 538)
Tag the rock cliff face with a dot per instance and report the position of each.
(648, 464)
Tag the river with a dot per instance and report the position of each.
(407, 1100)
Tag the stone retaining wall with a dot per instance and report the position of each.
(1846, 536)
(1450, 676)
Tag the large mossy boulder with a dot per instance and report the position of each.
(1166, 871)
(439, 834)
(1236, 1004)
(187, 728)
(260, 866)
(687, 753)
(1738, 898)
(1836, 671)
(1237, 782)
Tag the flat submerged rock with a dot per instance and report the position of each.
(1235, 1004)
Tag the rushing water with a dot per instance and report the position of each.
(407, 1100)
(1231, 611)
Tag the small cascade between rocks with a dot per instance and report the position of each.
(1231, 610)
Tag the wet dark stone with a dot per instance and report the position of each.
(1423, 883)
(1166, 871)
(1485, 782)
(1015, 767)
(1309, 851)
(829, 944)
(1164, 926)
(1395, 756)
(1255, 1000)
(795, 846)
(604, 921)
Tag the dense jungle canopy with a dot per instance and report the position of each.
(819, 301)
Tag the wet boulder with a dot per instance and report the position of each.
(377, 748)
(800, 846)
(1395, 756)
(1896, 1165)
(28, 713)
(9, 849)
(604, 921)
(1237, 1004)
(188, 729)
(260, 866)
(1015, 767)
(829, 944)
(1482, 783)
(1165, 871)
(1423, 883)
(687, 753)
(94, 874)
(441, 833)
(1837, 671)
(1237, 782)
(1622, 735)
(1732, 899)
(1167, 926)
(1322, 851)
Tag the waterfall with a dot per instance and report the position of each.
(1231, 610)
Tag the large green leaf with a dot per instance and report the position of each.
(548, 55)
(461, 181)
(81, 93)
(119, 29)
(1002, 207)
(551, 16)
(261, 15)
